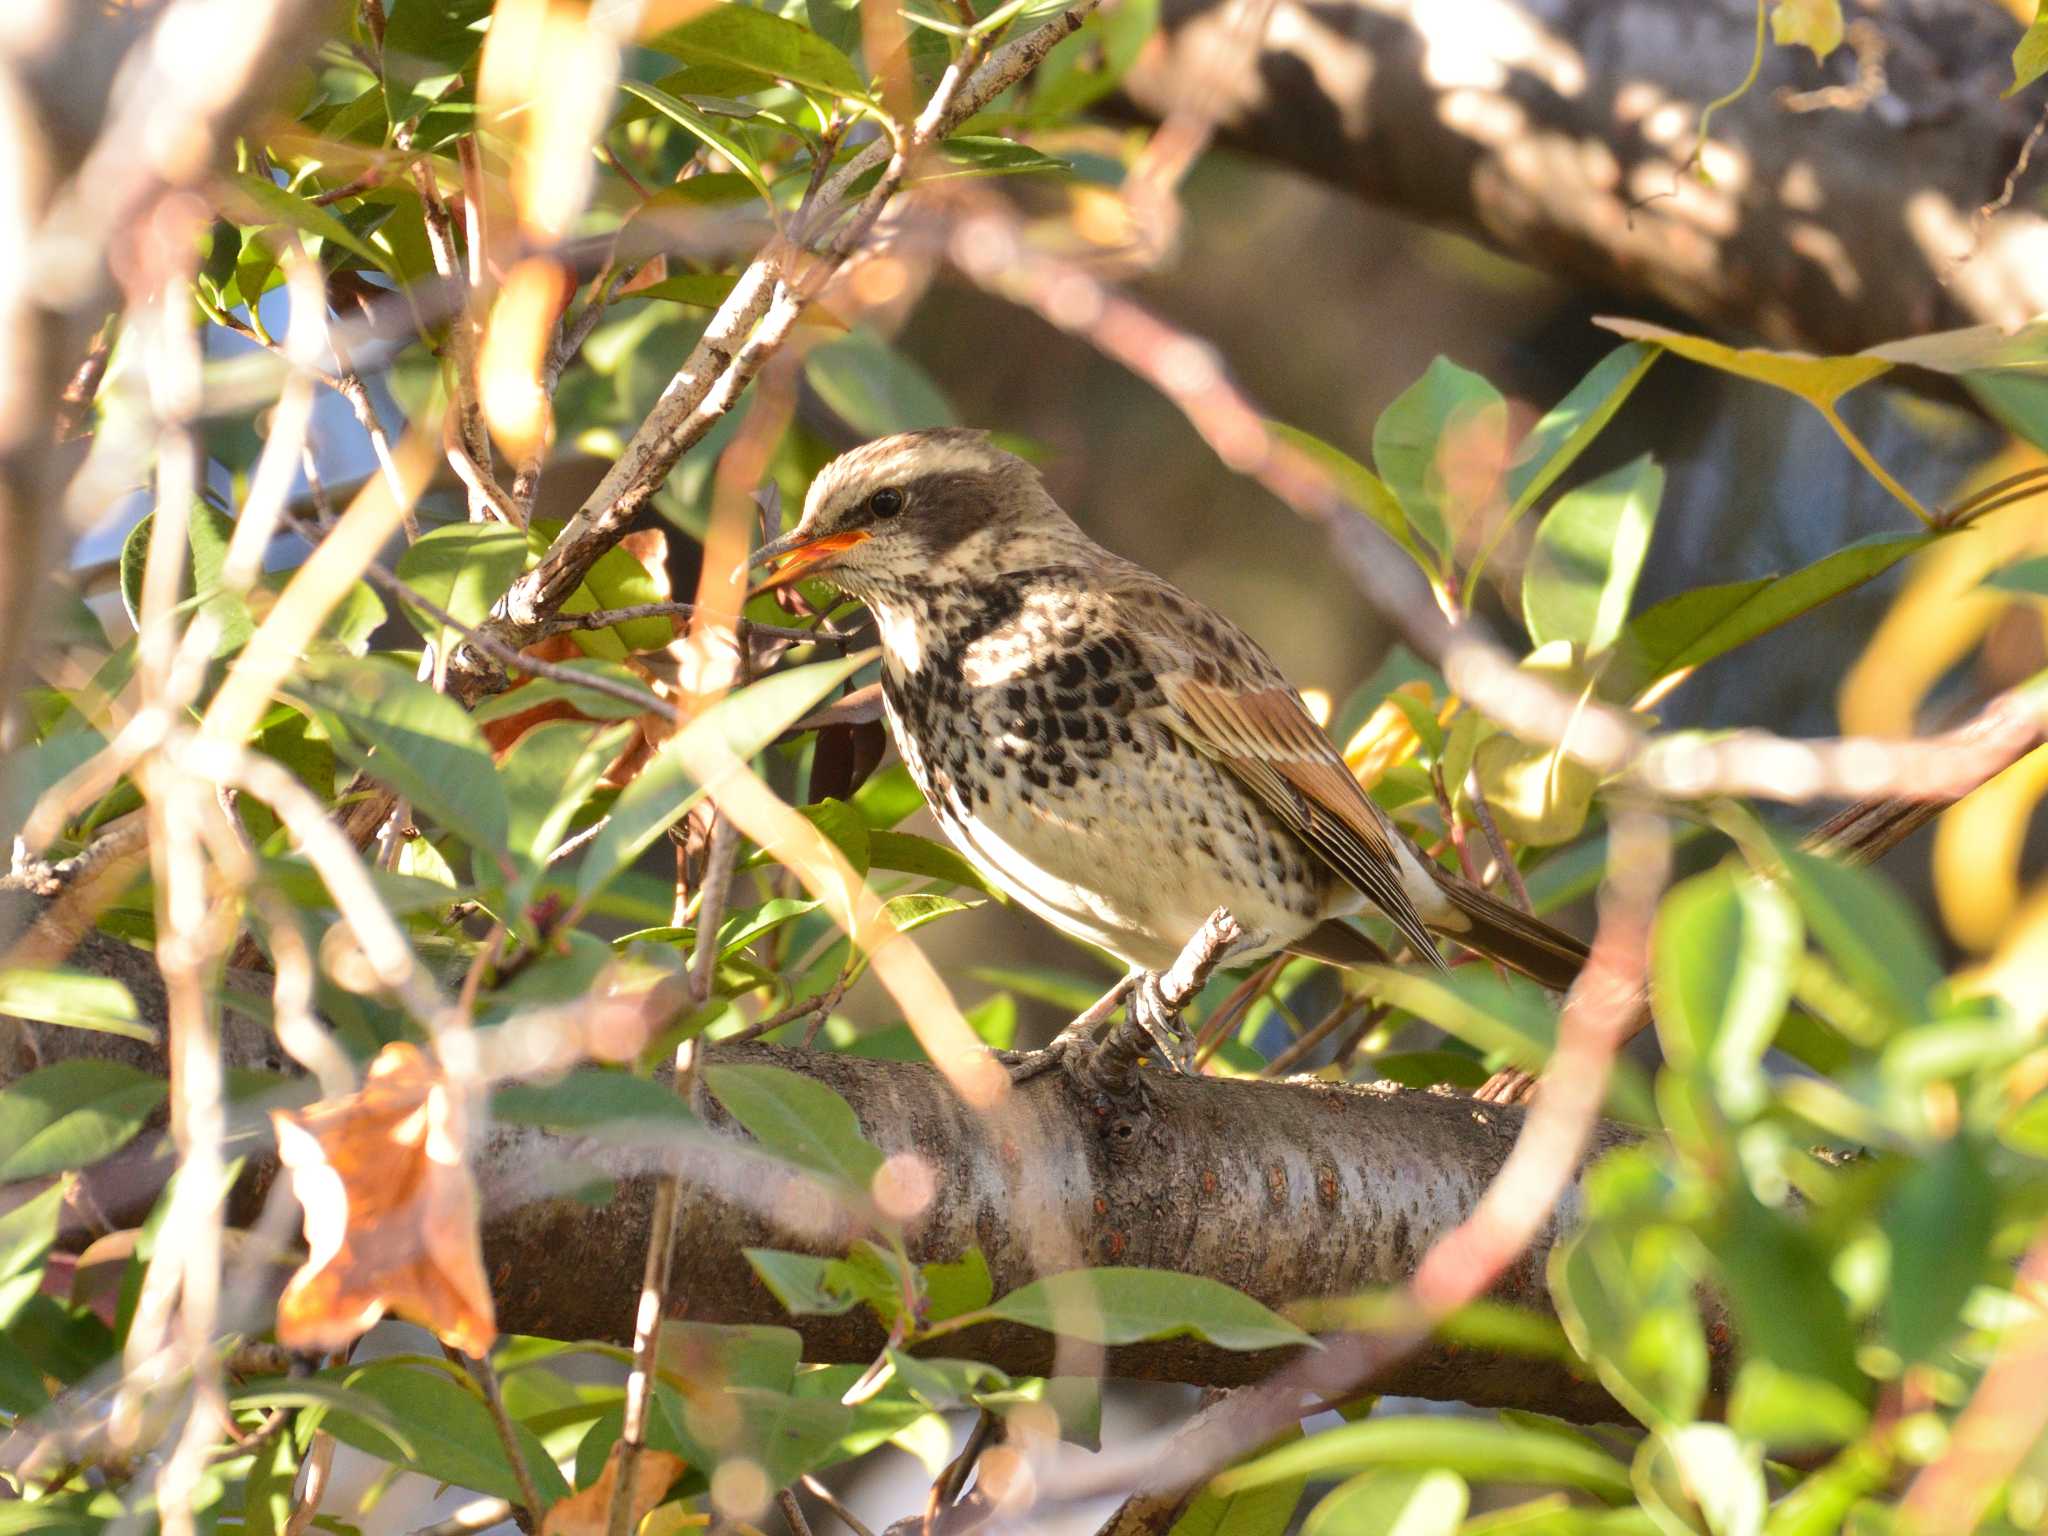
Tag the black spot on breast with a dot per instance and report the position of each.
(1107, 694)
(1071, 670)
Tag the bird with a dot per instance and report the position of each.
(1111, 753)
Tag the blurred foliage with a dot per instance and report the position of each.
(1798, 1281)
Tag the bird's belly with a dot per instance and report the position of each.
(1130, 848)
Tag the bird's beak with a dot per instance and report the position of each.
(801, 553)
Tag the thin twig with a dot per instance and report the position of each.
(1483, 813)
(605, 618)
(1342, 1014)
(793, 1513)
(830, 1500)
(654, 1283)
(485, 1376)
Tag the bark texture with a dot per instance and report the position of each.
(1843, 195)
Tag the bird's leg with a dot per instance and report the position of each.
(1078, 1036)
(1152, 1016)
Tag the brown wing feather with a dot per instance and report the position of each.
(1268, 740)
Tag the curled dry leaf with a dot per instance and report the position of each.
(391, 1211)
(587, 1513)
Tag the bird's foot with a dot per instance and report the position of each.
(1159, 1017)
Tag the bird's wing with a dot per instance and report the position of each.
(1226, 698)
(1268, 740)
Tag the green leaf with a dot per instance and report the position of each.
(797, 1118)
(746, 720)
(463, 570)
(1727, 947)
(702, 127)
(1514, 1017)
(1792, 1413)
(1398, 1501)
(547, 690)
(912, 911)
(1263, 1511)
(961, 1286)
(1446, 416)
(2030, 54)
(873, 387)
(27, 1231)
(1866, 927)
(2027, 576)
(987, 155)
(909, 854)
(740, 1354)
(803, 1282)
(71, 997)
(1705, 1468)
(1124, 1306)
(1587, 555)
(1788, 1310)
(1359, 485)
(619, 580)
(71, 1114)
(419, 742)
(1939, 1222)
(279, 206)
(1473, 1448)
(1692, 628)
(1628, 1303)
(547, 775)
(844, 827)
(207, 535)
(1567, 428)
(741, 37)
(450, 1432)
(324, 1392)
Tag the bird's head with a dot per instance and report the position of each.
(919, 509)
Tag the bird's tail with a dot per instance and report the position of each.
(1527, 944)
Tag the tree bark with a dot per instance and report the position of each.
(1285, 1190)
(1555, 130)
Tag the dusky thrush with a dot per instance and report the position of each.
(1115, 755)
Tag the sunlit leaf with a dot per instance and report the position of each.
(75, 999)
(1863, 922)
(1359, 485)
(1706, 1468)
(1396, 1501)
(747, 720)
(1441, 448)
(1815, 24)
(1567, 428)
(450, 1432)
(701, 126)
(462, 569)
(1512, 1017)
(1473, 1448)
(1821, 381)
(1726, 945)
(1693, 627)
(741, 37)
(419, 742)
(1125, 1306)
(798, 1118)
(71, 1114)
(1587, 555)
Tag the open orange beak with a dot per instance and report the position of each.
(801, 555)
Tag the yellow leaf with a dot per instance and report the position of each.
(1977, 847)
(1816, 23)
(587, 1513)
(1387, 739)
(1819, 380)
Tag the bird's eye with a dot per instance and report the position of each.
(886, 502)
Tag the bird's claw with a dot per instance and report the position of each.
(1148, 1008)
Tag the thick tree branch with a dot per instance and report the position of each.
(1286, 1190)
(1555, 130)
